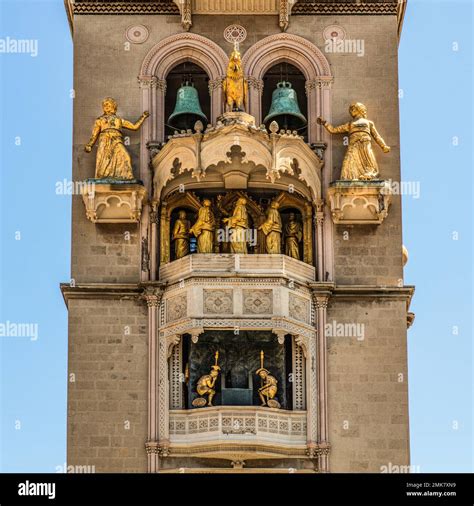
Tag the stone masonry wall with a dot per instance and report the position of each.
(368, 387)
(107, 394)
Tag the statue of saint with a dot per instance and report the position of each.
(234, 85)
(204, 228)
(294, 234)
(181, 235)
(359, 162)
(113, 160)
(269, 388)
(272, 229)
(206, 383)
(238, 225)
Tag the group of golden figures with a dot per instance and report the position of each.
(238, 228)
(113, 161)
(206, 385)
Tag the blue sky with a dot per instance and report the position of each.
(436, 129)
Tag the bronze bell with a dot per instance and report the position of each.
(187, 109)
(285, 109)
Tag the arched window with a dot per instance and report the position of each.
(288, 73)
(186, 74)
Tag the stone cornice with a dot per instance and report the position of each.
(105, 290)
(300, 8)
(122, 7)
(348, 8)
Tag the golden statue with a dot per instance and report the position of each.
(238, 224)
(181, 235)
(268, 390)
(234, 86)
(359, 162)
(204, 228)
(206, 383)
(271, 227)
(113, 160)
(294, 234)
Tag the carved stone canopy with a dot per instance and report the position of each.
(236, 154)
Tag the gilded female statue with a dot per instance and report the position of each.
(181, 235)
(204, 228)
(271, 227)
(238, 224)
(359, 162)
(294, 234)
(113, 160)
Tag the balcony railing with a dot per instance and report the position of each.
(232, 265)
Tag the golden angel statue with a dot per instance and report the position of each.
(206, 384)
(204, 228)
(113, 160)
(294, 234)
(234, 86)
(238, 225)
(181, 235)
(272, 229)
(359, 162)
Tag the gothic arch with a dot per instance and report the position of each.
(170, 52)
(306, 57)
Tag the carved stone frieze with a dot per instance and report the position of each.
(218, 301)
(298, 308)
(257, 301)
(176, 308)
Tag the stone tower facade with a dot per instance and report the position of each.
(327, 318)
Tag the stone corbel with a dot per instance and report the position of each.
(195, 333)
(186, 13)
(172, 341)
(302, 342)
(280, 336)
(285, 13)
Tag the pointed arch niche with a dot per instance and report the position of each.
(307, 58)
(162, 58)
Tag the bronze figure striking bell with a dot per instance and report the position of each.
(285, 109)
(187, 109)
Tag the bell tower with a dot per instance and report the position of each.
(237, 300)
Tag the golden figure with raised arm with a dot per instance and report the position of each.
(113, 160)
(206, 384)
(269, 388)
(359, 162)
